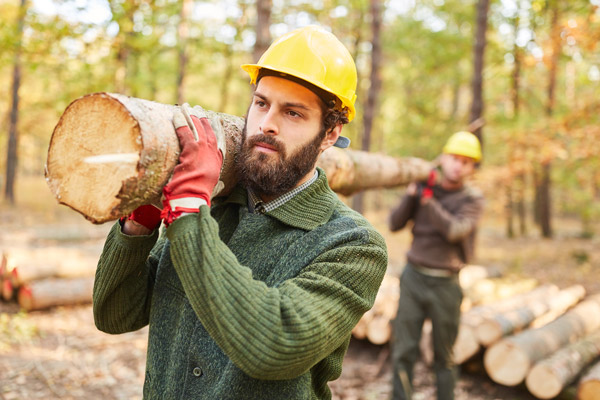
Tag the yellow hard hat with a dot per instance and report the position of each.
(315, 56)
(464, 143)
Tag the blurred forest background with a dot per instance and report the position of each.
(525, 73)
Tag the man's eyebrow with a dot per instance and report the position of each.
(286, 104)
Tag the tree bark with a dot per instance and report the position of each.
(263, 24)
(549, 376)
(503, 323)
(508, 361)
(52, 292)
(106, 179)
(589, 384)
(467, 344)
(546, 182)
(182, 37)
(478, 63)
(373, 94)
(13, 130)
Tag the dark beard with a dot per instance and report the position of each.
(265, 175)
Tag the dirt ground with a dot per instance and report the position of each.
(59, 354)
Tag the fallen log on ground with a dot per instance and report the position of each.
(467, 344)
(549, 377)
(508, 361)
(494, 327)
(375, 324)
(105, 177)
(35, 264)
(588, 387)
(53, 292)
(469, 275)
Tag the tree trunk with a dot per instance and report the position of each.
(263, 24)
(549, 376)
(478, 63)
(13, 130)
(546, 182)
(375, 80)
(503, 323)
(106, 179)
(589, 384)
(52, 292)
(508, 361)
(545, 201)
(510, 230)
(183, 34)
(520, 203)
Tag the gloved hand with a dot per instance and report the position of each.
(202, 143)
(428, 189)
(146, 215)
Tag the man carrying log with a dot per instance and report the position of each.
(251, 295)
(445, 213)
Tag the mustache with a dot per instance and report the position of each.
(262, 138)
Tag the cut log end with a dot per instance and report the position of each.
(506, 364)
(543, 383)
(488, 332)
(589, 390)
(96, 152)
(7, 290)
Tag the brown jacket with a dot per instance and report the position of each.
(444, 229)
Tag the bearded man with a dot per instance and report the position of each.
(252, 295)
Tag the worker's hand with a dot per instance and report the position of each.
(194, 179)
(428, 189)
(412, 189)
(142, 220)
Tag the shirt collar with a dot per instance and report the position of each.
(256, 205)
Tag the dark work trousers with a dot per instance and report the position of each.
(423, 296)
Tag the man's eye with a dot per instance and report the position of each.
(260, 103)
(294, 114)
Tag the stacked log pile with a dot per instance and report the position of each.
(542, 336)
(46, 277)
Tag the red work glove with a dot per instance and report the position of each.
(200, 160)
(146, 215)
(428, 189)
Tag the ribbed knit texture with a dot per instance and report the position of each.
(241, 305)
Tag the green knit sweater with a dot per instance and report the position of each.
(242, 305)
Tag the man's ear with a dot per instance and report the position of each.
(331, 137)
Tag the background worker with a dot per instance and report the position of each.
(445, 213)
(252, 295)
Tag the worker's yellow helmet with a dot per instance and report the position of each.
(464, 143)
(315, 56)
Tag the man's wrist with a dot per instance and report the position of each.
(133, 228)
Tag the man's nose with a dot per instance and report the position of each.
(268, 125)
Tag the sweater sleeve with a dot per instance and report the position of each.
(454, 227)
(124, 281)
(403, 213)
(274, 332)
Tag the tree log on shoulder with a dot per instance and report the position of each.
(111, 153)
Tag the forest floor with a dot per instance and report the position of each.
(59, 354)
